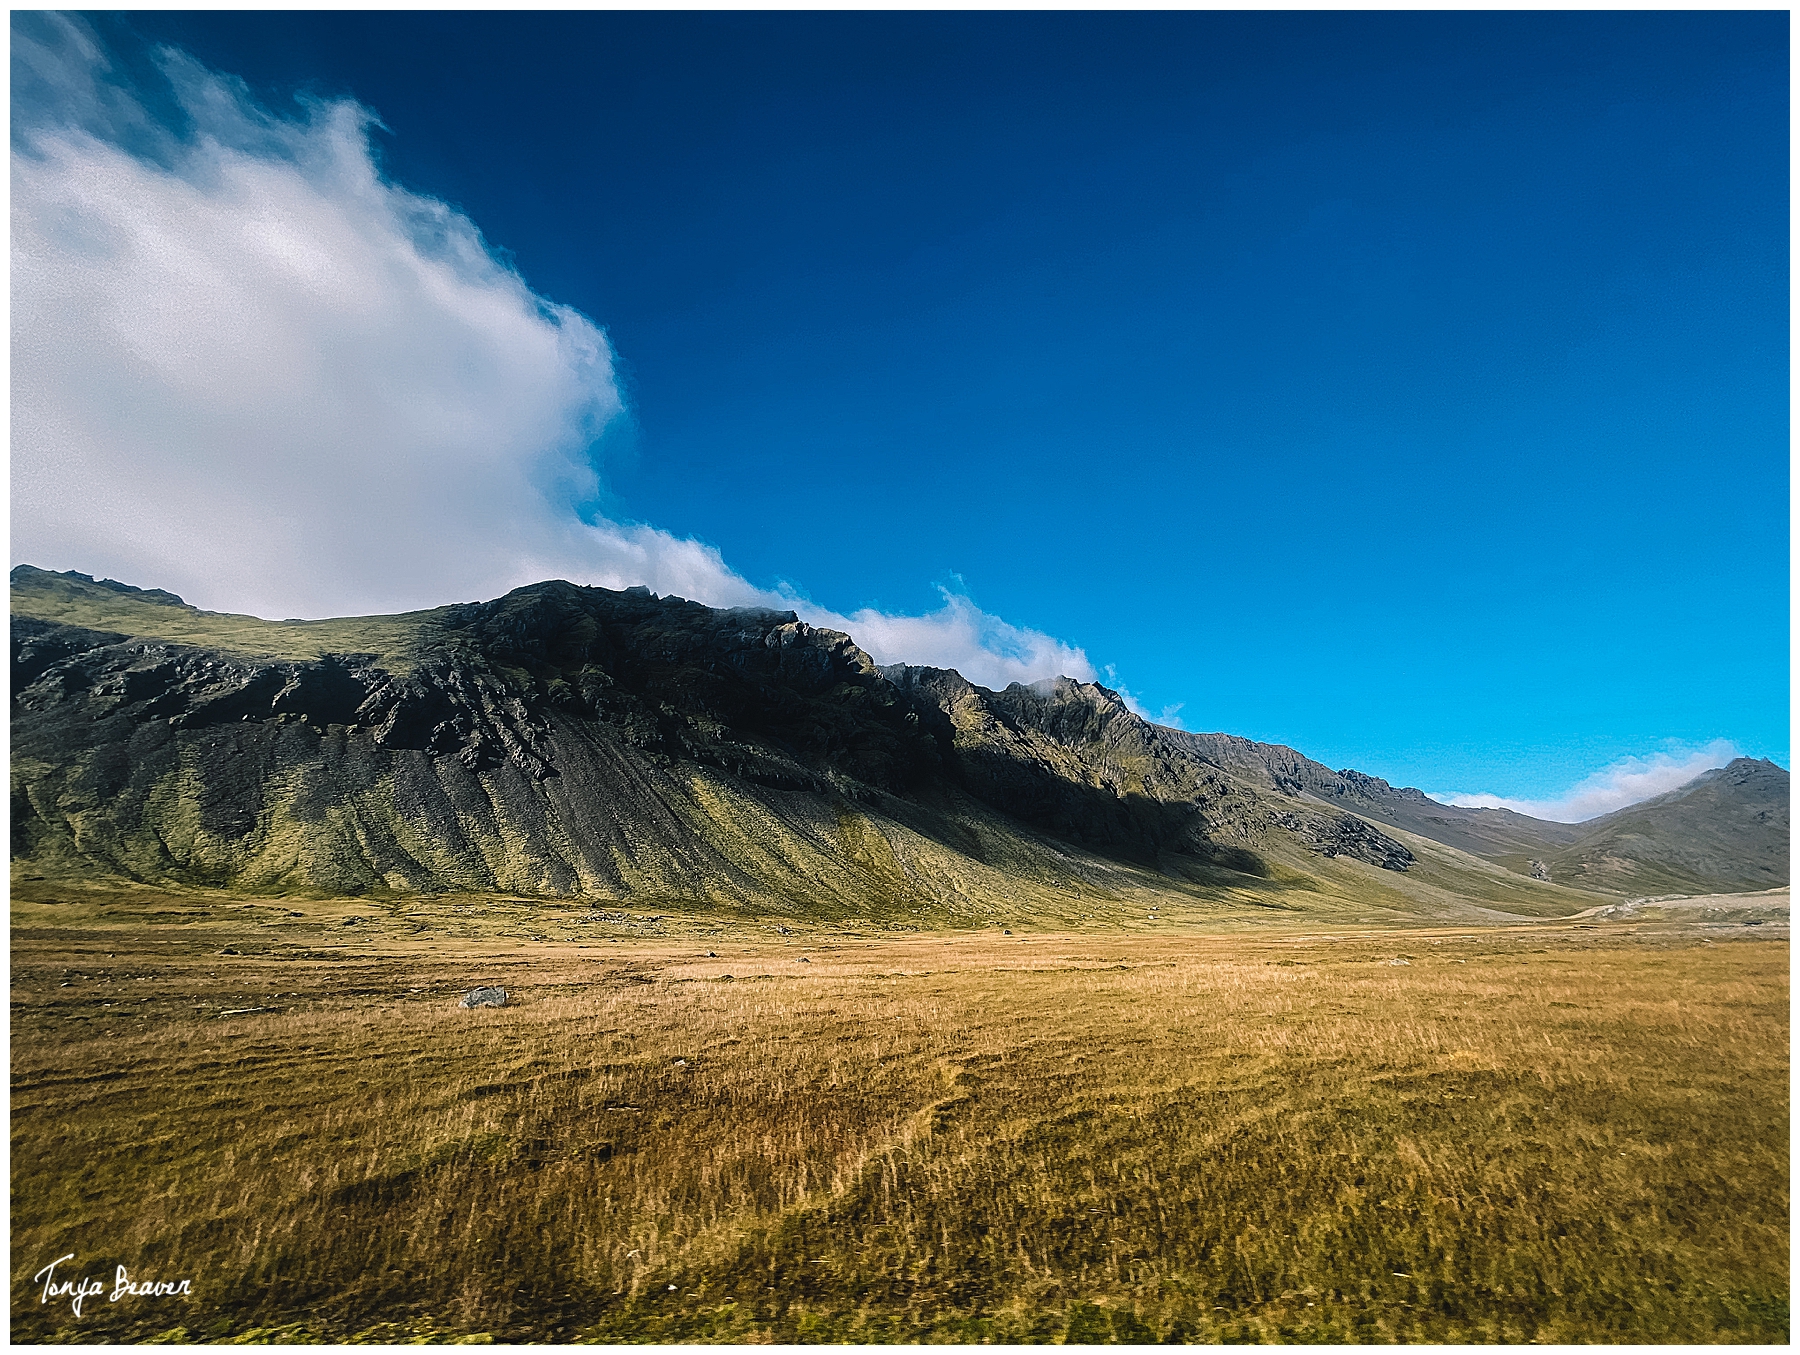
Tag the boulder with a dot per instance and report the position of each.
(485, 997)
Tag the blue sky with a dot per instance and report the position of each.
(1408, 388)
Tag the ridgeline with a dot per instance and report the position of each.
(565, 741)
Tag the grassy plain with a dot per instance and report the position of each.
(697, 1128)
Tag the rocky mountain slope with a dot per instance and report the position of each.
(1727, 830)
(569, 741)
(1498, 834)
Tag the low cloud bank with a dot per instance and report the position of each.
(1626, 782)
(248, 368)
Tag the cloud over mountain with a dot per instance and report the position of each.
(249, 368)
(1626, 782)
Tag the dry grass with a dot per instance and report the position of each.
(1549, 1133)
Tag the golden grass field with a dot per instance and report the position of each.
(1547, 1131)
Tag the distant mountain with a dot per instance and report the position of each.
(1498, 834)
(1726, 830)
(578, 742)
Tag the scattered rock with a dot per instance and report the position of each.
(485, 997)
(1399, 961)
(351, 921)
(1349, 836)
(681, 1063)
(804, 960)
(231, 950)
(1539, 870)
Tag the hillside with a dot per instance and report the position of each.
(1492, 833)
(578, 742)
(1725, 830)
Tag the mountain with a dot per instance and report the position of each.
(1726, 830)
(578, 742)
(1498, 834)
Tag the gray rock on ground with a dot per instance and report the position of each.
(485, 997)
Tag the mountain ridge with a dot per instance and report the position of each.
(572, 741)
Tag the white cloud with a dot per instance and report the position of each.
(959, 635)
(1626, 782)
(248, 368)
(1169, 715)
(265, 377)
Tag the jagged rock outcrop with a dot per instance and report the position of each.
(1347, 835)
